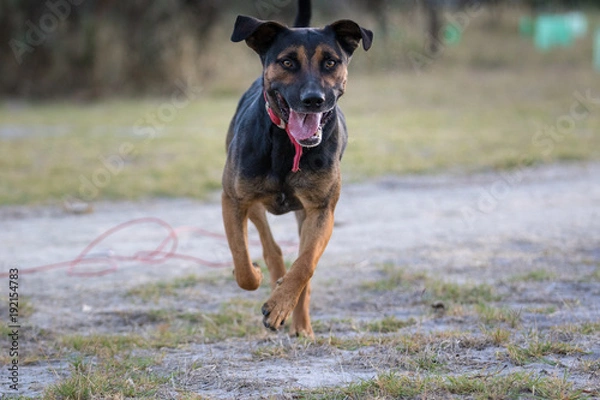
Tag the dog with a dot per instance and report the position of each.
(284, 147)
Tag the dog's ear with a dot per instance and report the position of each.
(348, 33)
(259, 35)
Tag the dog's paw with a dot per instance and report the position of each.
(302, 331)
(270, 322)
(275, 312)
(249, 280)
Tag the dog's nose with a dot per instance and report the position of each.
(313, 99)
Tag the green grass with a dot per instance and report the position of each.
(489, 315)
(394, 277)
(121, 377)
(176, 328)
(538, 349)
(113, 365)
(538, 275)
(435, 290)
(498, 336)
(100, 156)
(468, 293)
(154, 291)
(106, 346)
(105, 365)
(490, 386)
(389, 324)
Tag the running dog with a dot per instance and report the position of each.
(284, 147)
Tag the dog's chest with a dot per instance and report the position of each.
(279, 197)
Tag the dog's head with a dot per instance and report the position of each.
(304, 69)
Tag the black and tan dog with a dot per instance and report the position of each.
(284, 146)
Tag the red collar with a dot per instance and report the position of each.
(282, 125)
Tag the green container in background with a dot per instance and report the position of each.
(552, 30)
(452, 34)
(597, 50)
(526, 26)
(578, 23)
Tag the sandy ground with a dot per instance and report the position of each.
(469, 229)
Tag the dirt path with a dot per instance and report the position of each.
(492, 229)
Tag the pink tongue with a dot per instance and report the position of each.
(303, 126)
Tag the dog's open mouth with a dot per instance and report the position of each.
(305, 128)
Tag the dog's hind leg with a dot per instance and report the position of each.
(235, 219)
(300, 217)
(301, 316)
(271, 250)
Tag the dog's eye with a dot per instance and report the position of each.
(329, 64)
(287, 63)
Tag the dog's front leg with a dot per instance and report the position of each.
(316, 231)
(235, 219)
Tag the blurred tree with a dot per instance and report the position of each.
(94, 47)
(98, 47)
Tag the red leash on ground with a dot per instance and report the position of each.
(166, 250)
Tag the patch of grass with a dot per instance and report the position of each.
(392, 385)
(389, 324)
(154, 291)
(324, 326)
(107, 366)
(590, 366)
(102, 345)
(537, 349)
(490, 315)
(270, 352)
(172, 329)
(393, 278)
(584, 328)
(589, 328)
(125, 376)
(497, 336)
(437, 290)
(594, 276)
(351, 343)
(74, 150)
(542, 310)
(514, 385)
(234, 319)
(387, 385)
(539, 275)
(426, 360)
(409, 344)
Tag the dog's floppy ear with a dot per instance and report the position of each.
(348, 33)
(259, 35)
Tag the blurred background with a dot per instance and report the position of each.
(105, 99)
